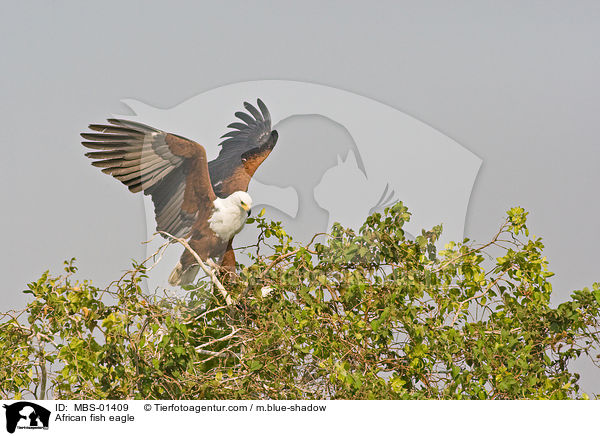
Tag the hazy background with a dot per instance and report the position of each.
(514, 82)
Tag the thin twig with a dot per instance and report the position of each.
(291, 253)
(474, 297)
(214, 341)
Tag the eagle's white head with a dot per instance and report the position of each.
(242, 200)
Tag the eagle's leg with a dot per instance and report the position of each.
(228, 263)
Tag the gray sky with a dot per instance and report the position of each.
(514, 82)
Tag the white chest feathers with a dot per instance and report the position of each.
(230, 214)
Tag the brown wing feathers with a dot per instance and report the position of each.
(167, 197)
(170, 168)
(135, 154)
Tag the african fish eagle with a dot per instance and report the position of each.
(205, 202)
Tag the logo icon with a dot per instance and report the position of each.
(26, 415)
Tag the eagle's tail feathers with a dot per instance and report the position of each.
(179, 277)
(175, 276)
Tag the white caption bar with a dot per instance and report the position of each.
(281, 418)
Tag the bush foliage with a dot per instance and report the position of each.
(367, 315)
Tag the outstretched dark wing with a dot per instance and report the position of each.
(170, 168)
(245, 147)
